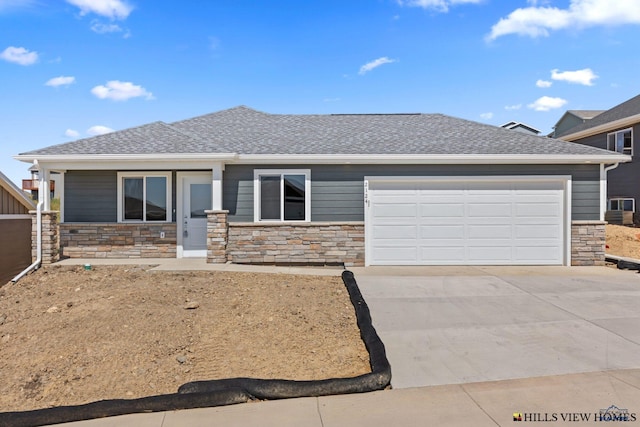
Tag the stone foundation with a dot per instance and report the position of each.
(106, 240)
(289, 243)
(587, 242)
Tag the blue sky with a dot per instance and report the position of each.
(73, 68)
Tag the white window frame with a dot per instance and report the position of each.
(620, 201)
(625, 150)
(257, 173)
(144, 176)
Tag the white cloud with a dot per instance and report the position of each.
(98, 130)
(120, 91)
(583, 77)
(71, 133)
(112, 9)
(19, 55)
(439, 5)
(375, 64)
(100, 28)
(538, 21)
(60, 81)
(486, 116)
(544, 83)
(547, 103)
(513, 107)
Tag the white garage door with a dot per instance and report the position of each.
(465, 221)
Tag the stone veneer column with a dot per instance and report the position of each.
(50, 236)
(217, 236)
(588, 241)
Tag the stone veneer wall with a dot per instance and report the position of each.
(107, 240)
(307, 243)
(50, 236)
(217, 230)
(587, 242)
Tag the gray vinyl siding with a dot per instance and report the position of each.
(337, 191)
(622, 182)
(90, 196)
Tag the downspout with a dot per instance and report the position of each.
(603, 189)
(36, 263)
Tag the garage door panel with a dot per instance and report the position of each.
(538, 209)
(396, 210)
(494, 210)
(540, 231)
(533, 253)
(443, 255)
(466, 222)
(441, 232)
(391, 232)
(489, 253)
(442, 210)
(489, 231)
(392, 254)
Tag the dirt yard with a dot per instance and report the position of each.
(70, 336)
(623, 241)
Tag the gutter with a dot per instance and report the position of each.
(38, 260)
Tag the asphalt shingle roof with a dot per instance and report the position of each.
(243, 130)
(628, 108)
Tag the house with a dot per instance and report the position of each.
(521, 127)
(573, 118)
(31, 185)
(615, 130)
(244, 186)
(15, 229)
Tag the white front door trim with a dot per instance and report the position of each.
(182, 210)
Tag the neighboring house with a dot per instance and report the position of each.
(521, 127)
(244, 186)
(571, 119)
(615, 130)
(15, 229)
(32, 185)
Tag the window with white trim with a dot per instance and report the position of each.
(144, 196)
(621, 141)
(282, 195)
(622, 204)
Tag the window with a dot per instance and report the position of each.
(282, 195)
(144, 196)
(622, 205)
(621, 141)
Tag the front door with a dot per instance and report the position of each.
(196, 199)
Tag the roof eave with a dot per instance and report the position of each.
(125, 157)
(477, 159)
(606, 127)
(197, 159)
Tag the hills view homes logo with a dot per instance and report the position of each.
(610, 414)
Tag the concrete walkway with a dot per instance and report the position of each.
(476, 404)
(564, 340)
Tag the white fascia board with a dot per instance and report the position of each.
(607, 127)
(472, 159)
(203, 161)
(124, 162)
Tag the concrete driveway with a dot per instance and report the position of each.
(452, 325)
